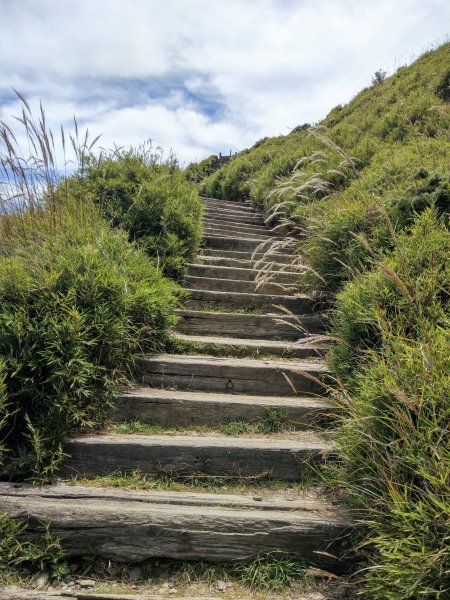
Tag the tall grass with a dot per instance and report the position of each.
(365, 199)
(78, 301)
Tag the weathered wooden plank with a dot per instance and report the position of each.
(12, 592)
(236, 231)
(265, 326)
(241, 263)
(234, 375)
(242, 274)
(240, 286)
(201, 299)
(236, 243)
(227, 204)
(255, 347)
(245, 255)
(127, 528)
(222, 232)
(191, 455)
(243, 217)
(17, 593)
(176, 407)
(217, 221)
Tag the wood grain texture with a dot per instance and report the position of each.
(17, 593)
(231, 285)
(265, 326)
(242, 263)
(189, 455)
(240, 230)
(128, 528)
(217, 221)
(242, 274)
(176, 407)
(255, 347)
(236, 243)
(201, 299)
(234, 375)
(246, 255)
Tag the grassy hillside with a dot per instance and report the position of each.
(367, 195)
(83, 286)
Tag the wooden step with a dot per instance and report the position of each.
(176, 407)
(133, 526)
(235, 211)
(239, 273)
(243, 287)
(183, 455)
(225, 227)
(233, 375)
(213, 253)
(240, 263)
(250, 223)
(226, 232)
(236, 243)
(203, 299)
(265, 326)
(227, 204)
(211, 345)
(216, 220)
(243, 218)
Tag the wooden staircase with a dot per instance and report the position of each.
(245, 361)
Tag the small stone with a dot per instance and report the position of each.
(42, 580)
(257, 498)
(86, 583)
(135, 574)
(173, 591)
(70, 583)
(221, 586)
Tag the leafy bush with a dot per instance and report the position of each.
(394, 323)
(196, 172)
(149, 199)
(76, 305)
(43, 552)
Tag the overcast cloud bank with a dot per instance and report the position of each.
(201, 77)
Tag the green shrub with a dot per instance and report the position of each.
(196, 172)
(77, 303)
(393, 443)
(43, 552)
(149, 199)
(411, 284)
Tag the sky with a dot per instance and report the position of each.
(199, 77)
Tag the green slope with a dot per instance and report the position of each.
(368, 194)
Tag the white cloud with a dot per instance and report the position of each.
(204, 76)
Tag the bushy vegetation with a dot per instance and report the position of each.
(196, 172)
(149, 198)
(41, 552)
(367, 195)
(78, 299)
(76, 307)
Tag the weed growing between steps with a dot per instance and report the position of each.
(273, 421)
(171, 481)
(21, 556)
